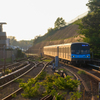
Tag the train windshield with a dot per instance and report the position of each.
(80, 48)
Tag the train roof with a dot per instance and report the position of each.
(66, 44)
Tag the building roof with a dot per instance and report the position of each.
(3, 23)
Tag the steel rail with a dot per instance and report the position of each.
(16, 78)
(85, 86)
(79, 78)
(95, 77)
(20, 89)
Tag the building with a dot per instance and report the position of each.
(7, 42)
(2, 36)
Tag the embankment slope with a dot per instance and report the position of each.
(64, 35)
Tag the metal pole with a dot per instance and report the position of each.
(4, 59)
(92, 55)
(99, 90)
(79, 88)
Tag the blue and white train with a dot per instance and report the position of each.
(70, 52)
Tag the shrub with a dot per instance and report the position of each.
(20, 54)
(51, 85)
(41, 76)
(7, 71)
(19, 80)
(81, 72)
(13, 95)
(75, 95)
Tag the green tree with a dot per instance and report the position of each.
(22, 43)
(13, 40)
(93, 5)
(60, 22)
(90, 28)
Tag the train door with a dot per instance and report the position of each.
(64, 53)
(68, 52)
(59, 52)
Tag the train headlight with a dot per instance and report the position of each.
(87, 56)
(73, 56)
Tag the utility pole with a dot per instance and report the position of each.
(4, 59)
(3, 43)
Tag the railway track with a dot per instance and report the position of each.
(4, 80)
(12, 67)
(33, 73)
(47, 97)
(89, 79)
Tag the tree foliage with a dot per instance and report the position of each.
(39, 38)
(60, 22)
(13, 40)
(50, 85)
(23, 43)
(90, 27)
(93, 5)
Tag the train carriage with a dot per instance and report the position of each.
(72, 52)
(50, 50)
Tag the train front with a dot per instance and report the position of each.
(80, 52)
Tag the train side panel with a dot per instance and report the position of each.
(65, 52)
(50, 51)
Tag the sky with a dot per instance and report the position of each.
(29, 18)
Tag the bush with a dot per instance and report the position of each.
(81, 72)
(51, 85)
(7, 71)
(20, 54)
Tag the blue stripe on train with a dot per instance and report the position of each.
(80, 55)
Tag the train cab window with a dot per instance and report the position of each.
(77, 51)
(73, 51)
(85, 51)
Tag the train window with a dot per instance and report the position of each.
(85, 51)
(64, 50)
(61, 50)
(67, 49)
(77, 51)
(73, 51)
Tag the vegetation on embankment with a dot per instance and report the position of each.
(90, 27)
(57, 34)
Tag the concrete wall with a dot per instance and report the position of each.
(7, 54)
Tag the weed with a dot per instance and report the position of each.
(7, 71)
(14, 95)
(47, 60)
(61, 69)
(97, 96)
(19, 80)
(57, 95)
(51, 85)
(75, 95)
(81, 72)
(41, 76)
